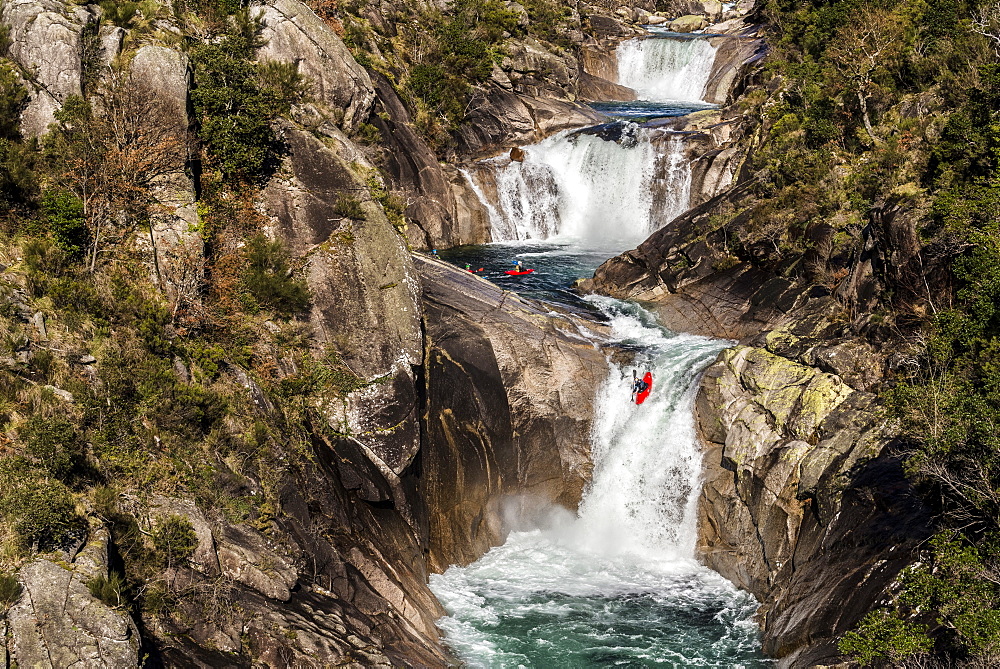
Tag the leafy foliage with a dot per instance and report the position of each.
(175, 540)
(269, 279)
(236, 99)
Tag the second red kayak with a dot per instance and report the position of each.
(514, 272)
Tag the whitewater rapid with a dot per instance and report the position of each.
(616, 583)
(583, 187)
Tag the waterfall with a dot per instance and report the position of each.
(580, 185)
(647, 461)
(617, 584)
(661, 69)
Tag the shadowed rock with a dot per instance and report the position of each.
(510, 389)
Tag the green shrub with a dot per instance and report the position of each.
(118, 13)
(175, 540)
(13, 98)
(40, 510)
(55, 445)
(269, 279)
(881, 635)
(109, 589)
(236, 99)
(64, 214)
(10, 590)
(348, 206)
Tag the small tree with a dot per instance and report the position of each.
(863, 50)
(110, 154)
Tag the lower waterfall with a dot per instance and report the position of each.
(616, 584)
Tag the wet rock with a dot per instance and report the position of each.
(598, 89)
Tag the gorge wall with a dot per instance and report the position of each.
(437, 406)
(433, 407)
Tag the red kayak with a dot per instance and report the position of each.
(647, 387)
(514, 272)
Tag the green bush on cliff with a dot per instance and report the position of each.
(882, 636)
(40, 511)
(269, 279)
(236, 99)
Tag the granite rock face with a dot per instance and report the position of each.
(47, 40)
(57, 622)
(441, 209)
(805, 503)
(364, 290)
(294, 34)
(510, 392)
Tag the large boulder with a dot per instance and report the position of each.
(502, 118)
(57, 622)
(330, 583)
(509, 390)
(294, 34)
(737, 56)
(688, 23)
(47, 41)
(805, 502)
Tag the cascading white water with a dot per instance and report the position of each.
(581, 186)
(662, 69)
(618, 583)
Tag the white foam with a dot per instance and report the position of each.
(665, 69)
(635, 531)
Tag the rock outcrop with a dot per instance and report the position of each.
(365, 293)
(805, 503)
(335, 580)
(57, 622)
(498, 119)
(441, 209)
(509, 395)
(47, 39)
(294, 34)
(739, 53)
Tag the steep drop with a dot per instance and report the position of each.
(618, 583)
(666, 68)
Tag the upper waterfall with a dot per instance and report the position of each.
(663, 68)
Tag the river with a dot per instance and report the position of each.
(617, 582)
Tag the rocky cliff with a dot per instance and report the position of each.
(509, 391)
(805, 503)
(396, 425)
